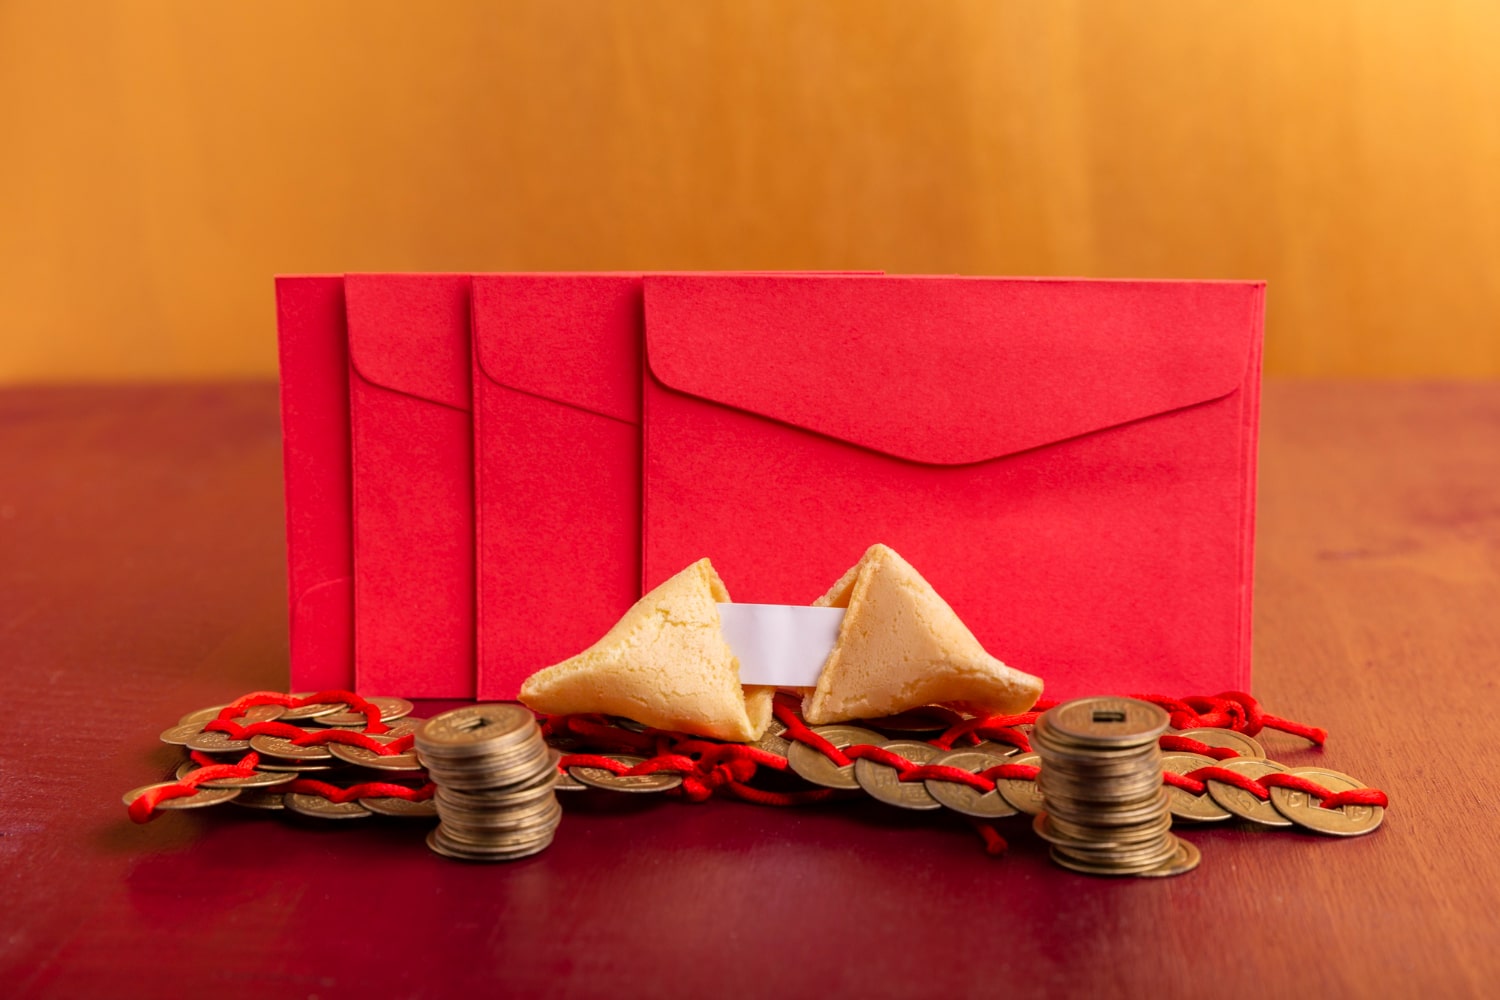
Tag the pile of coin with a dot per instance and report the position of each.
(1106, 812)
(281, 761)
(495, 776)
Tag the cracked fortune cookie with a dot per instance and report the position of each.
(665, 664)
(901, 646)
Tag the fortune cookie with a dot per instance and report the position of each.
(665, 664)
(901, 646)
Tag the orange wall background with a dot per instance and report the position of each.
(161, 160)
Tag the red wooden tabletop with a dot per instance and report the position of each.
(141, 576)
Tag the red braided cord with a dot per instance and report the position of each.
(1186, 744)
(1232, 710)
(235, 731)
(593, 760)
(999, 728)
(142, 808)
(364, 790)
(797, 730)
(373, 725)
(596, 729)
(706, 766)
(254, 698)
(880, 755)
(1331, 800)
(390, 748)
(1184, 782)
(942, 772)
(1195, 782)
(994, 844)
(306, 738)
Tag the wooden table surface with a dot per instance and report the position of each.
(141, 576)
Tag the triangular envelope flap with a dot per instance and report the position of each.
(573, 338)
(950, 371)
(410, 333)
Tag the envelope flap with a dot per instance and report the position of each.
(950, 371)
(572, 338)
(410, 333)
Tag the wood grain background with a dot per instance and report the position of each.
(160, 160)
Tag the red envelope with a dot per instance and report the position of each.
(1070, 463)
(557, 384)
(557, 375)
(412, 450)
(314, 350)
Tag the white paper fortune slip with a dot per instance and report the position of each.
(780, 644)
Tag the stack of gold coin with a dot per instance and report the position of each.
(1106, 812)
(494, 777)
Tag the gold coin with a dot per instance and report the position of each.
(463, 729)
(501, 822)
(1106, 721)
(390, 710)
(202, 715)
(313, 711)
(963, 799)
(1108, 815)
(298, 767)
(1061, 858)
(259, 779)
(1186, 805)
(1114, 862)
(1228, 739)
(504, 834)
(564, 782)
(567, 783)
(1097, 789)
(391, 805)
(812, 765)
(884, 783)
(284, 749)
(1242, 803)
(1184, 860)
(995, 749)
(1121, 842)
(405, 726)
(316, 805)
(1025, 796)
(498, 841)
(1308, 812)
(1097, 760)
(537, 826)
(215, 742)
(261, 798)
(440, 844)
(598, 777)
(1134, 835)
(179, 734)
(771, 741)
(201, 798)
(482, 766)
(487, 800)
(251, 715)
(369, 758)
(929, 719)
